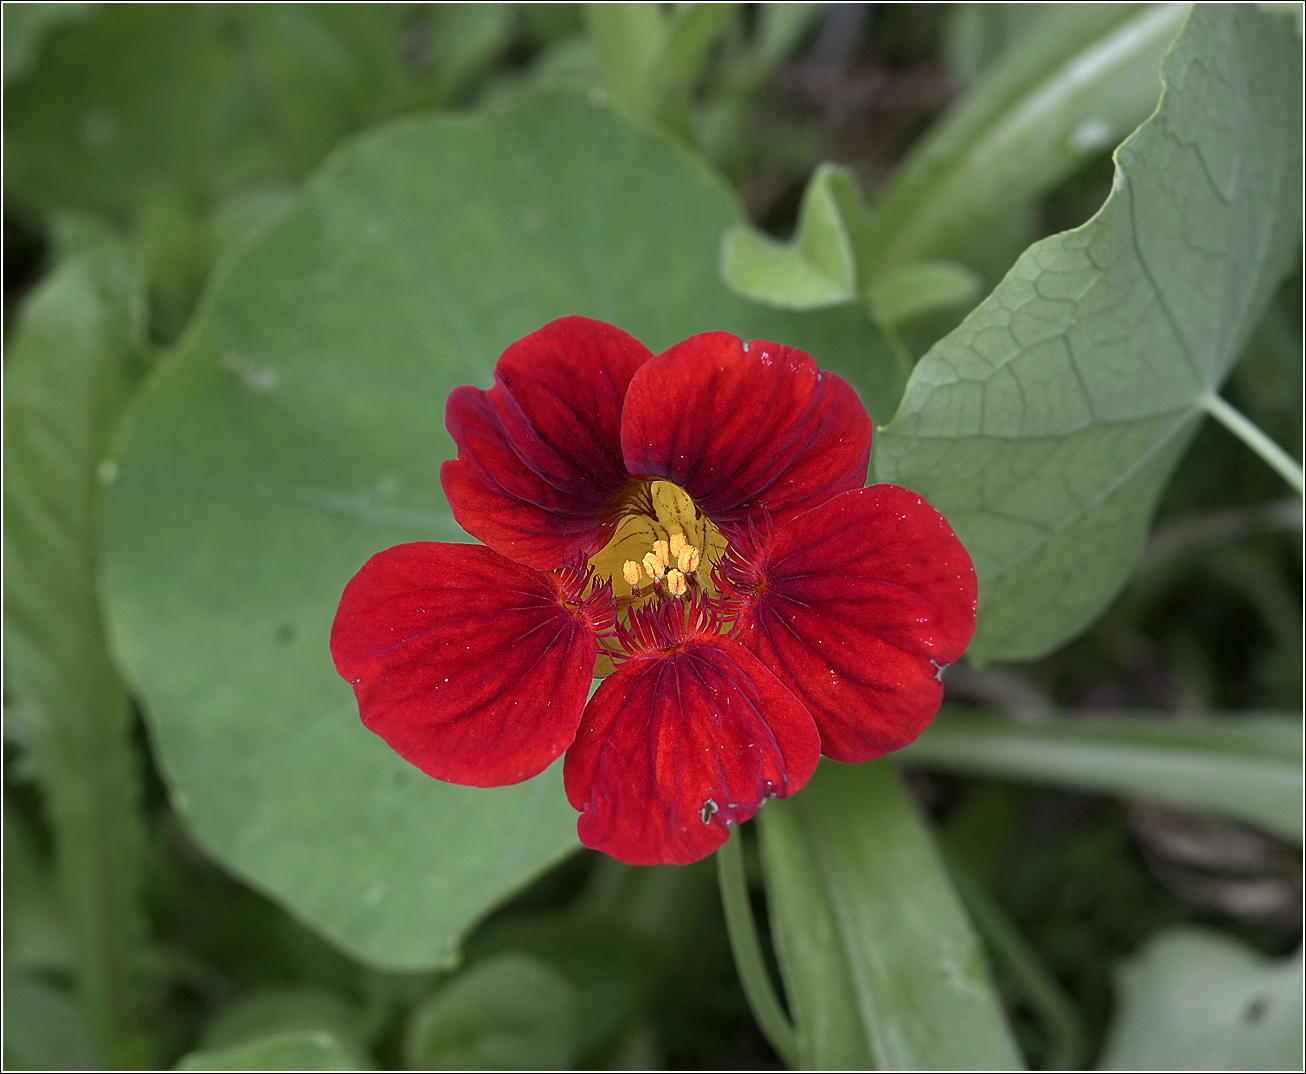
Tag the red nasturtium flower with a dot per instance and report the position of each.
(692, 526)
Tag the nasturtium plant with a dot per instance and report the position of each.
(457, 454)
(360, 305)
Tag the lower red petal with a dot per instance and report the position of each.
(856, 606)
(675, 746)
(465, 662)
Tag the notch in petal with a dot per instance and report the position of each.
(745, 428)
(539, 454)
(674, 746)
(472, 667)
(855, 605)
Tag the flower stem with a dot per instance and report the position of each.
(1250, 435)
(771, 1018)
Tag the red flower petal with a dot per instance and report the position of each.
(745, 427)
(539, 454)
(857, 604)
(465, 662)
(674, 745)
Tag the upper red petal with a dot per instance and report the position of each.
(539, 454)
(674, 745)
(856, 606)
(465, 662)
(744, 428)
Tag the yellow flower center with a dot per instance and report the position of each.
(663, 547)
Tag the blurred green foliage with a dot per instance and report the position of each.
(154, 153)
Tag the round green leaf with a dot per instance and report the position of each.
(1196, 999)
(286, 1051)
(1046, 426)
(278, 1010)
(198, 102)
(300, 429)
(507, 1013)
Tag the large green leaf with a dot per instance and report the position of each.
(197, 101)
(882, 968)
(1073, 83)
(1045, 427)
(299, 430)
(1194, 999)
(1247, 767)
(190, 122)
(74, 357)
(302, 1050)
(139, 98)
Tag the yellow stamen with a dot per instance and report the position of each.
(676, 584)
(653, 565)
(663, 553)
(658, 527)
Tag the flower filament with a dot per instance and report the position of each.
(673, 581)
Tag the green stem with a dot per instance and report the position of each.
(771, 1018)
(1250, 435)
(1061, 1021)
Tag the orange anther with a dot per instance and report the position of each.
(663, 552)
